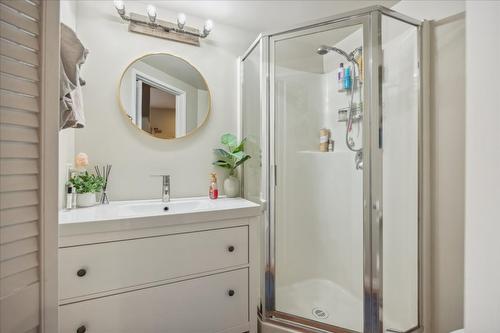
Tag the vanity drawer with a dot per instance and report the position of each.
(94, 268)
(204, 305)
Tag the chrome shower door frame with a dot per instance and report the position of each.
(269, 311)
(370, 18)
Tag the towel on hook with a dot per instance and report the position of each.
(73, 55)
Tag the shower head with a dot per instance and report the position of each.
(324, 49)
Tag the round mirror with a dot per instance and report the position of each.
(164, 96)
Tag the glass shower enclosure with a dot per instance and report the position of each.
(331, 113)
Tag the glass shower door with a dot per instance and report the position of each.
(317, 98)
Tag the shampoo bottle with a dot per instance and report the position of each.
(347, 78)
(213, 191)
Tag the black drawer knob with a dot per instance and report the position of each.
(81, 272)
(230, 248)
(230, 292)
(81, 329)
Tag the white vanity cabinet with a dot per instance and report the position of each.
(162, 273)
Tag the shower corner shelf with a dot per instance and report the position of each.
(357, 116)
(315, 152)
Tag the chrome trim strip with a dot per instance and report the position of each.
(424, 228)
(251, 47)
(411, 330)
(308, 323)
(374, 319)
(341, 17)
(421, 199)
(367, 261)
(269, 269)
(398, 16)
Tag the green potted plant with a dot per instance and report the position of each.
(231, 158)
(87, 185)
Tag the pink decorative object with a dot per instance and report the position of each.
(81, 161)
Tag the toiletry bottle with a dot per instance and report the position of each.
(347, 78)
(73, 196)
(69, 197)
(331, 144)
(324, 136)
(213, 191)
(340, 77)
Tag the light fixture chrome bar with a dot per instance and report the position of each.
(152, 21)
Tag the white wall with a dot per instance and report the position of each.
(447, 102)
(482, 214)
(108, 136)
(68, 10)
(448, 175)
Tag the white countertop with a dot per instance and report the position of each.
(118, 210)
(125, 216)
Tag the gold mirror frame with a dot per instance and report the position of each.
(124, 111)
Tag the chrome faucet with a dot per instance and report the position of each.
(165, 189)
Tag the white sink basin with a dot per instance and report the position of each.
(150, 208)
(119, 210)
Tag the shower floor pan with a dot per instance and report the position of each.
(323, 301)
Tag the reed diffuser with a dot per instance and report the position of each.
(105, 175)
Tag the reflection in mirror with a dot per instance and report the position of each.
(164, 96)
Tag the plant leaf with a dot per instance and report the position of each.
(87, 183)
(224, 155)
(240, 147)
(229, 140)
(222, 164)
(234, 157)
(242, 160)
(238, 155)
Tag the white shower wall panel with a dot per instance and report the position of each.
(319, 207)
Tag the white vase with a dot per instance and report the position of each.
(86, 199)
(232, 186)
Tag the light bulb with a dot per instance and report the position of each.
(151, 10)
(120, 6)
(209, 25)
(181, 20)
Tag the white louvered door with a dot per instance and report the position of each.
(20, 165)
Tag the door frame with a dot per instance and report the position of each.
(180, 100)
(49, 154)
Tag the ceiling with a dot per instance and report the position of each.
(261, 16)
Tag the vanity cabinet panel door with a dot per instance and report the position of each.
(89, 269)
(204, 305)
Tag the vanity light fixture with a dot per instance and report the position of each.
(151, 10)
(150, 25)
(181, 20)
